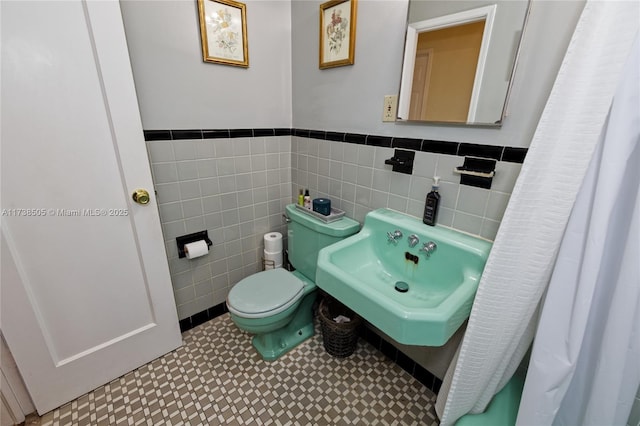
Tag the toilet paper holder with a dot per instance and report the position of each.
(191, 238)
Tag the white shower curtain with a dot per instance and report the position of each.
(504, 315)
(585, 363)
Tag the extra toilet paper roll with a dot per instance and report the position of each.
(276, 257)
(273, 242)
(196, 249)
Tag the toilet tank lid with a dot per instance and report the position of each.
(339, 228)
(267, 291)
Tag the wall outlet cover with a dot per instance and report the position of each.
(390, 109)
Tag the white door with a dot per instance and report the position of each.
(420, 85)
(86, 293)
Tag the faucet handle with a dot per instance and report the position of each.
(394, 236)
(429, 248)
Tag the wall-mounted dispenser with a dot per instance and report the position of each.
(193, 245)
(402, 161)
(478, 172)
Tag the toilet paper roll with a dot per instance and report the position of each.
(274, 256)
(273, 242)
(196, 249)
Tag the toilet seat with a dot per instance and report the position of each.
(264, 294)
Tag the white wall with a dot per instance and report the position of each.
(349, 99)
(177, 90)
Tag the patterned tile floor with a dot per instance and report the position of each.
(217, 378)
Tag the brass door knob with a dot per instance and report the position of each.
(141, 196)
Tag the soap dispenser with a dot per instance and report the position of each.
(431, 205)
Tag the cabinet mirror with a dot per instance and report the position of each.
(459, 59)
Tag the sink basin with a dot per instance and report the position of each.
(370, 273)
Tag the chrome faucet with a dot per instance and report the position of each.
(413, 240)
(429, 248)
(394, 236)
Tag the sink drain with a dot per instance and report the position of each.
(402, 287)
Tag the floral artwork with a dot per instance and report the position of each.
(223, 31)
(337, 33)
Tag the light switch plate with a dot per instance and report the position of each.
(390, 109)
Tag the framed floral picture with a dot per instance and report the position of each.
(337, 33)
(223, 32)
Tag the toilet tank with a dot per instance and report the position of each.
(307, 235)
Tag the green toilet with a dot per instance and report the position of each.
(276, 305)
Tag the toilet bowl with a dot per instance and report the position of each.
(276, 305)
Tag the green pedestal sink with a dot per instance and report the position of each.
(415, 294)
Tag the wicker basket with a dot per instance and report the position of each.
(339, 339)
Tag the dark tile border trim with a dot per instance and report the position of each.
(215, 134)
(514, 155)
(462, 149)
(383, 141)
(440, 147)
(203, 316)
(157, 135)
(241, 133)
(186, 134)
(407, 364)
(356, 138)
(407, 143)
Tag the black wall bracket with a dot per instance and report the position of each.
(478, 172)
(402, 161)
(191, 238)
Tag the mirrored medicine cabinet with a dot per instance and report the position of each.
(459, 60)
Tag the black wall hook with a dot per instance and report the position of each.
(402, 161)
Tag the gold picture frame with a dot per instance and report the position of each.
(337, 33)
(223, 32)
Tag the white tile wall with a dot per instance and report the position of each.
(357, 181)
(236, 189)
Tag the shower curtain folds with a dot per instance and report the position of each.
(585, 363)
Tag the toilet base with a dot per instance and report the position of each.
(274, 344)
